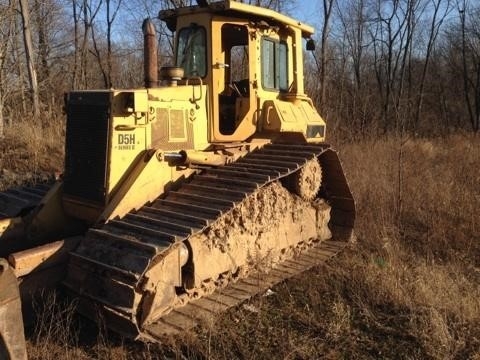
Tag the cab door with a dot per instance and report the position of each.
(234, 109)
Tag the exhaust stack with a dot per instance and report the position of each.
(150, 59)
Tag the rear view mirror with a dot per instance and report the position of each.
(310, 45)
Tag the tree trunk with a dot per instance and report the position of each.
(327, 12)
(21, 71)
(27, 40)
(433, 34)
(83, 51)
(1, 115)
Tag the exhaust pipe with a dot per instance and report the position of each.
(150, 59)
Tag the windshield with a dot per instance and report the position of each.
(191, 55)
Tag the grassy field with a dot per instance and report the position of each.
(409, 288)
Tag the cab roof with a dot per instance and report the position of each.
(235, 9)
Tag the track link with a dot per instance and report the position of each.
(203, 310)
(107, 269)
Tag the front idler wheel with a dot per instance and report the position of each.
(307, 181)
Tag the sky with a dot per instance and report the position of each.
(308, 12)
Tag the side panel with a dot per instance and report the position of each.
(127, 137)
(177, 122)
(297, 116)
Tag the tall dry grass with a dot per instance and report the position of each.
(418, 274)
(408, 289)
(30, 151)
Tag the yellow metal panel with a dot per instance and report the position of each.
(127, 140)
(310, 113)
(144, 182)
(268, 14)
(245, 10)
(140, 101)
(283, 116)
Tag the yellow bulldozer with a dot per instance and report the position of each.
(175, 195)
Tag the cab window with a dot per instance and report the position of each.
(191, 51)
(274, 65)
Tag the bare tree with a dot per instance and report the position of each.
(353, 22)
(6, 29)
(327, 6)
(90, 11)
(111, 15)
(392, 37)
(76, 10)
(425, 62)
(438, 17)
(471, 64)
(41, 16)
(106, 69)
(29, 54)
(353, 25)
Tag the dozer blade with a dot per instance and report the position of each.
(130, 270)
(12, 339)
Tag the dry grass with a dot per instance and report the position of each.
(409, 288)
(420, 260)
(31, 151)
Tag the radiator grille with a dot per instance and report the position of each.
(168, 132)
(177, 125)
(86, 145)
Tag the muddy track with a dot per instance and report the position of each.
(203, 310)
(107, 270)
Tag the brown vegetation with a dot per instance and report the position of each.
(30, 152)
(409, 288)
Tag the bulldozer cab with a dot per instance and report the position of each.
(252, 61)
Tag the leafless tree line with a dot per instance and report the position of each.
(390, 65)
(380, 65)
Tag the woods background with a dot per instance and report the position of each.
(380, 65)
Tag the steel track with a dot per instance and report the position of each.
(107, 269)
(204, 310)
